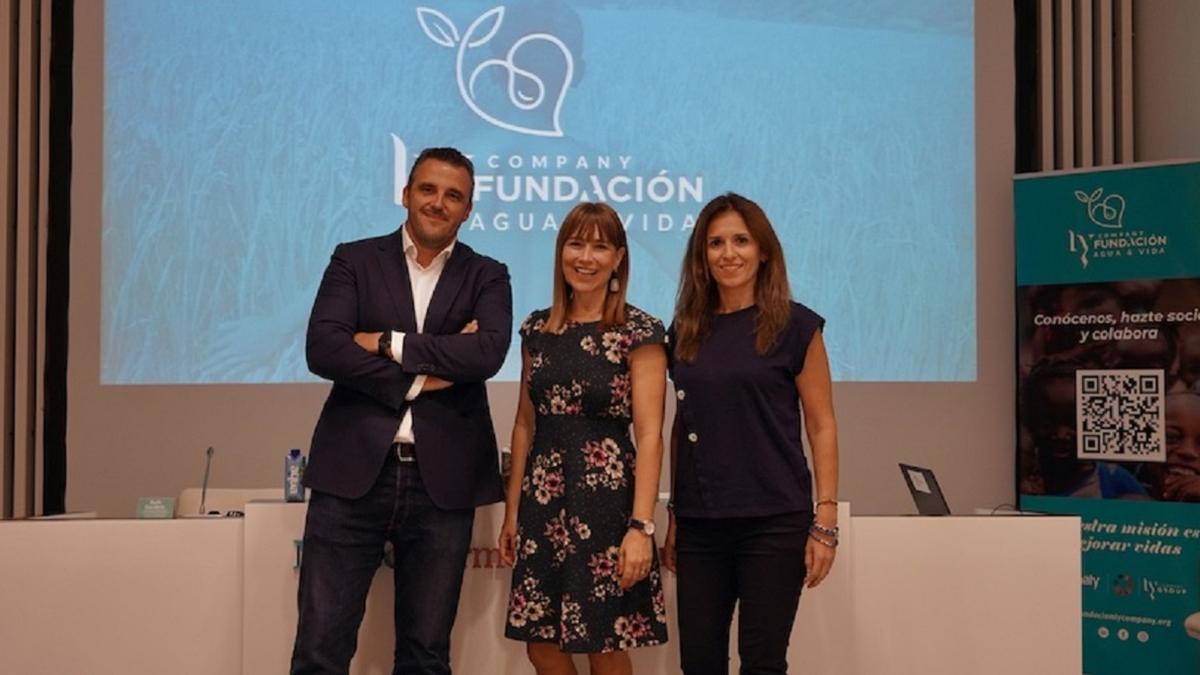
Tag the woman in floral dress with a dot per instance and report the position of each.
(579, 503)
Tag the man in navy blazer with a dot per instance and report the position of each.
(408, 327)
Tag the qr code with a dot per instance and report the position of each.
(1119, 415)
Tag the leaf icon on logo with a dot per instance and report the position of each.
(437, 26)
(495, 15)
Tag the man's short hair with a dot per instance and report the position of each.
(449, 156)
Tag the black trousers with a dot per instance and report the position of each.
(756, 564)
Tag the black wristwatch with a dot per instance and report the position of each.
(385, 344)
(644, 526)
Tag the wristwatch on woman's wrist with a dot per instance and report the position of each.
(644, 526)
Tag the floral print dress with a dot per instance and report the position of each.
(577, 493)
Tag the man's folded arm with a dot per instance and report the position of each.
(468, 357)
(330, 348)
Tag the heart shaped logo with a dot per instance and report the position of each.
(521, 88)
(1108, 212)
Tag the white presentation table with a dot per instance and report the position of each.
(952, 595)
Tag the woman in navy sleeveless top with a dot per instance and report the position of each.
(746, 360)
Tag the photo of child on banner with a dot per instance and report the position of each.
(1103, 327)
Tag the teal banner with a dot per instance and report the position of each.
(1108, 322)
(1138, 223)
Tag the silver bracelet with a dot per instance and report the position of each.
(833, 543)
(827, 531)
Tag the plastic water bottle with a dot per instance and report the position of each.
(293, 476)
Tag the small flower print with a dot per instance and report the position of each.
(563, 400)
(572, 624)
(616, 345)
(621, 388)
(559, 536)
(527, 603)
(631, 630)
(588, 344)
(607, 467)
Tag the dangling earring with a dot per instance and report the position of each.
(614, 285)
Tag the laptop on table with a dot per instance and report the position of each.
(926, 492)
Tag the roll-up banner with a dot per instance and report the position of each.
(1108, 428)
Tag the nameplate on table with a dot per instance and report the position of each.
(156, 507)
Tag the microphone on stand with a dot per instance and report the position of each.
(204, 485)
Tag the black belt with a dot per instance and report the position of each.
(407, 452)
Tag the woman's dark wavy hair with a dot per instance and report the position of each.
(698, 299)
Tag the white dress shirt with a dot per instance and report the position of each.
(422, 280)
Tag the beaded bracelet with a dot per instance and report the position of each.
(826, 531)
(831, 543)
(831, 502)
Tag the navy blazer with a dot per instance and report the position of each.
(366, 289)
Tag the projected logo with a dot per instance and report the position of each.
(514, 80)
(1108, 213)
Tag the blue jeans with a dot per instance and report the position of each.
(756, 564)
(343, 547)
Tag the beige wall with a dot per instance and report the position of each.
(145, 440)
(1166, 71)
